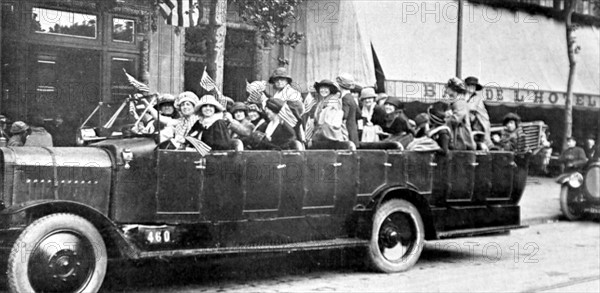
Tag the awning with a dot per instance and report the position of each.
(509, 52)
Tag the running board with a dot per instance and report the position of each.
(290, 247)
(478, 231)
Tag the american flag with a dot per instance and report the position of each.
(136, 83)
(207, 82)
(202, 148)
(310, 129)
(288, 116)
(309, 103)
(183, 13)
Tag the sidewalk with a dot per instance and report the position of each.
(540, 202)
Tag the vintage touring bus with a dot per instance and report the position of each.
(66, 211)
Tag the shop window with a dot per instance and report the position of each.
(120, 87)
(46, 74)
(123, 30)
(58, 22)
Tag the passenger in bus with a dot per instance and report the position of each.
(372, 116)
(19, 132)
(282, 83)
(239, 112)
(396, 126)
(166, 106)
(422, 142)
(480, 119)
(329, 114)
(513, 137)
(349, 106)
(212, 126)
(255, 115)
(460, 127)
(440, 132)
(179, 127)
(422, 122)
(274, 135)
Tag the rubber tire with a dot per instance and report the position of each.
(17, 272)
(376, 260)
(564, 205)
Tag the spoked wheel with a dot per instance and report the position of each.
(58, 253)
(569, 204)
(397, 237)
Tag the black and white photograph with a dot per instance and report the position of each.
(299, 146)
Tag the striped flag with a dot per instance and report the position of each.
(136, 83)
(288, 116)
(202, 148)
(206, 82)
(310, 129)
(309, 103)
(183, 13)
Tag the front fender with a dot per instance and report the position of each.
(17, 217)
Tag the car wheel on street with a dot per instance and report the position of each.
(568, 204)
(397, 237)
(58, 253)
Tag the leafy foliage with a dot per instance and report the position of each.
(272, 18)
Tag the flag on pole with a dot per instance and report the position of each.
(288, 116)
(184, 13)
(136, 83)
(202, 148)
(310, 129)
(207, 82)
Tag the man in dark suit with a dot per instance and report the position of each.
(349, 106)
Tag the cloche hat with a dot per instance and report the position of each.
(280, 72)
(210, 100)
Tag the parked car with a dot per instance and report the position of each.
(65, 212)
(580, 192)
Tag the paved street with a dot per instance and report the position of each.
(549, 256)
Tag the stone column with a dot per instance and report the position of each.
(216, 40)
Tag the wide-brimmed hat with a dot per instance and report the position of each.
(396, 102)
(456, 84)
(368, 92)
(345, 81)
(210, 100)
(275, 105)
(333, 86)
(511, 116)
(381, 96)
(471, 80)
(280, 72)
(18, 127)
(239, 106)
(186, 97)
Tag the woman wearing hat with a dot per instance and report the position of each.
(255, 115)
(349, 106)
(212, 126)
(274, 135)
(440, 132)
(239, 111)
(460, 126)
(372, 116)
(513, 137)
(480, 119)
(282, 83)
(178, 128)
(329, 113)
(396, 126)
